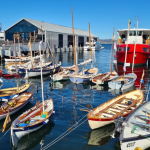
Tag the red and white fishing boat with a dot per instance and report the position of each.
(136, 42)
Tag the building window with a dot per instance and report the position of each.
(95, 39)
(70, 40)
(23, 28)
(80, 41)
(60, 38)
(87, 39)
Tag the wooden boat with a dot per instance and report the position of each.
(107, 112)
(8, 92)
(37, 72)
(66, 72)
(31, 141)
(123, 82)
(22, 59)
(84, 76)
(135, 130)
(31, 120)
(103, 79)
(14, 104)
(36, 65)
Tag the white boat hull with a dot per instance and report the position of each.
(97, 124)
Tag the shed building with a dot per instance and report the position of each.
(62, 36)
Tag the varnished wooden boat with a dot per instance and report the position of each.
(104, 78)
(8, 92)
(14, 105)
(84, 76)
(107, 112)
(31, 120)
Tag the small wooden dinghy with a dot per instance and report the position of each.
(84, 76)
(64, 73)
(123, 82)
(136, 129)
(8, 92)
(14, 104)
(31, 120)
(37, 71)
(102, 79)
(107, 112)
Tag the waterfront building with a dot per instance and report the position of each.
(62, 35)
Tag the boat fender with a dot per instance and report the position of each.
(137, 148)
(46, 121)
(129, 102)
(53, 112)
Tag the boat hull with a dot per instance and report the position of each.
(37, 72)
(79, 80)
(94, 124)
(141, 58)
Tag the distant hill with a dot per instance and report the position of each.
(105, 41)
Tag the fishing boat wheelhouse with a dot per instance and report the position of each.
(138, 40)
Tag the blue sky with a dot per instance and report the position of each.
(103, 15)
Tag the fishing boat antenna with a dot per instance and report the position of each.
(135, 45)
(90, 45)
(73, 38)
(124, 68)
(112, 48)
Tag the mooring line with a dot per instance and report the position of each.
(64, 134)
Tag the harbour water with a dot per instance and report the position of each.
(69, 99)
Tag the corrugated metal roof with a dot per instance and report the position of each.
(55, 28)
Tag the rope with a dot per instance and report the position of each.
(4, 134)
(64, 134)
(72, 101)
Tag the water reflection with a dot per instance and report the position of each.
(101, 136)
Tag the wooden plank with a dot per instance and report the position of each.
(119, 100)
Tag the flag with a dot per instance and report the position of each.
(142, 81)
(0, 27)
(7, 120)
(129, 24)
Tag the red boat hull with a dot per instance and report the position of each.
(141, 54)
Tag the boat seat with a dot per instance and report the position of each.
(108, 114)
(37, 118)
(115, 109)
(123, 105)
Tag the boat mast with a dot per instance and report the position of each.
(42, 41)
(41, 75)
(112, 49)
(30, 47)
(135, 45)
(126, 46)
(90, 45)
(53, 52)
(73, 38)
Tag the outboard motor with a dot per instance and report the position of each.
(118, 125)
(122, 83)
